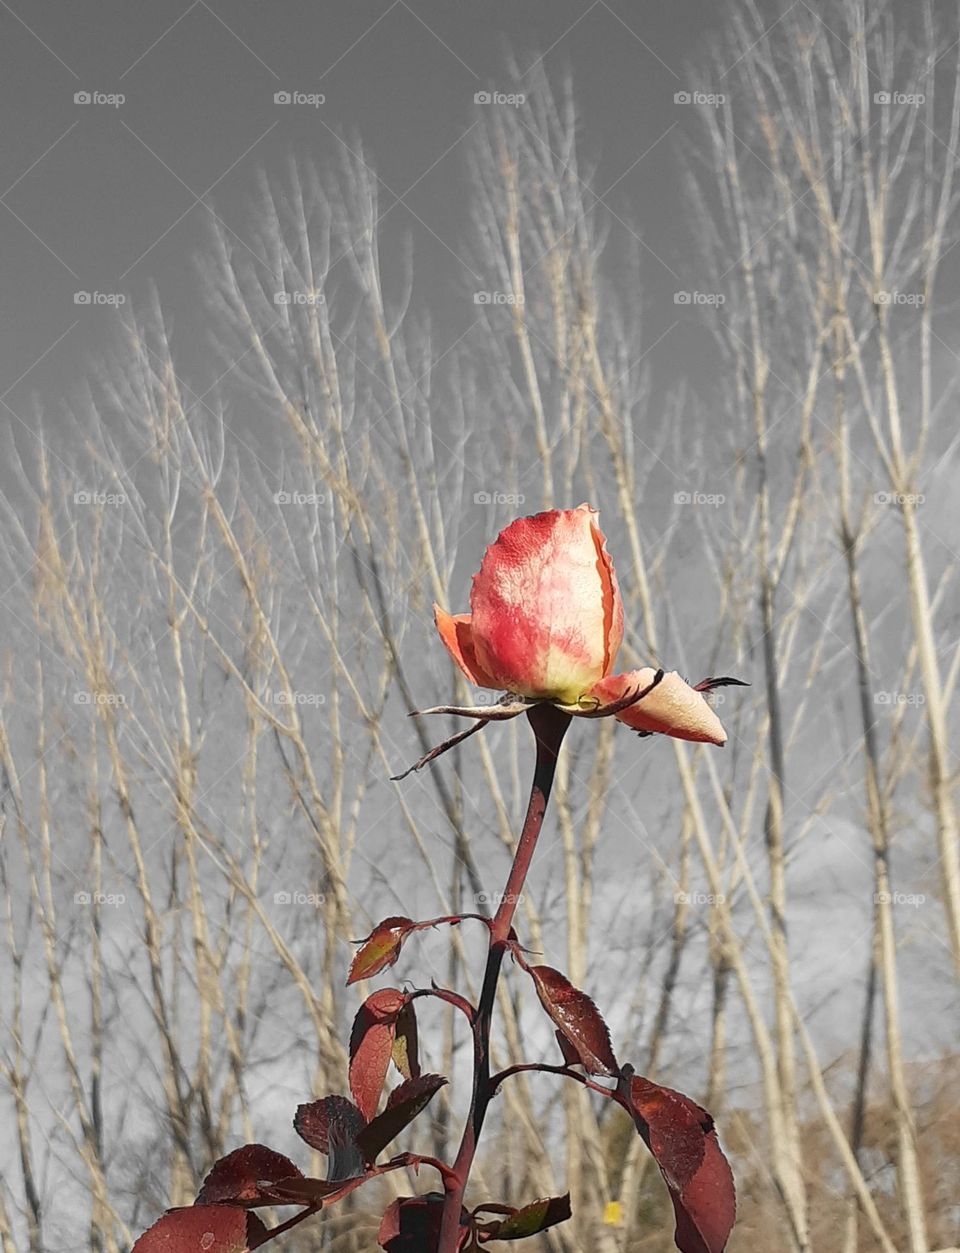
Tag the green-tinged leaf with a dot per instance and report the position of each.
(405, 1049)
(380, 949)
(531, 1220)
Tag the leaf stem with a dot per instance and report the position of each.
(452, 998)
(544, 1068)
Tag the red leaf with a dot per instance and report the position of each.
(403, 1105)
(531, 1220)
(707, 1208)
(244, 1177)
(682, 1139)
(380, 949)
(411, 1224)
(371, 1047)
(577, 1019)
(332, 1126)
(203, 1229)
(320, 1122)
(570, 1055)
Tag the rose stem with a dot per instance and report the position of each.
(549, 726)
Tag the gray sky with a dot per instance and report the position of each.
(108, 198)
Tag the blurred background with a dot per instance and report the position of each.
(302, 304)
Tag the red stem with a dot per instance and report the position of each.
(549, 726)
(290, 1223)
(546, 1069)
(452, 998)
(350, 1185)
